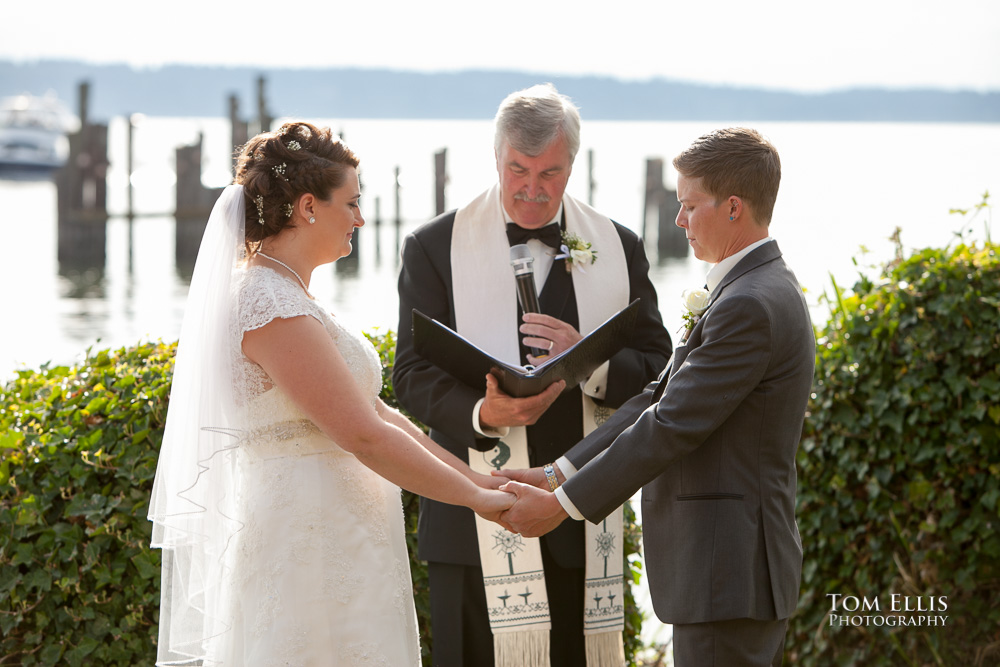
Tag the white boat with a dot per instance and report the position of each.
(33, 132)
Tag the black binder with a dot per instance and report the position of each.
(461, 358)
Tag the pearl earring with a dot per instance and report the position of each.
(312, 220)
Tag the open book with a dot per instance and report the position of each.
(461, 358)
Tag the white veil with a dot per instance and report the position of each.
(194, 492)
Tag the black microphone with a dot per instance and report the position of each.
(524, 275)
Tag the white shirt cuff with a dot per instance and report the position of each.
(568, 505)
(482, 430)
(566, 467)
(596, 386)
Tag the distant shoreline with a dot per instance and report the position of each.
(193, 91)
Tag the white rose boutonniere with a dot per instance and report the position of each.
(695, 303)
(576, 252)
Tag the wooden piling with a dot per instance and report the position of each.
(239, 129)
(399, 216)
(591, 183)
(194, 203)
(130, 205)
(355, 253)
(81, 192)
(440, 180)
(264, 118)
(671, 241)
(130, 167)
(378, 225)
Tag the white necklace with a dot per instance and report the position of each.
(294, 272)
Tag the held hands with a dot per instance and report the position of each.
(500, 410)
(543, 331)
(535, 513)
(491, 503)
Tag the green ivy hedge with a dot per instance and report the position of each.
(79, 584)
(899, 468)
(78, 581)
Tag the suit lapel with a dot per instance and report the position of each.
(758, 257)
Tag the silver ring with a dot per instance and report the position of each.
(551, 343)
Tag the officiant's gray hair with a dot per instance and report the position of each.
(533, 118)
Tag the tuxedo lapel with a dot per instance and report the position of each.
(558, 297)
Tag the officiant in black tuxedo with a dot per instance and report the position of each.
(456, 269)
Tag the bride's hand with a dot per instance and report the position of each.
(491, 504)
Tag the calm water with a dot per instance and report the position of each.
(844, 186)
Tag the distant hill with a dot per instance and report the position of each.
(183, 90)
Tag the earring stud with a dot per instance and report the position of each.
(312, 220)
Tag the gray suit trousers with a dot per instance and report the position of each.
(742, 642)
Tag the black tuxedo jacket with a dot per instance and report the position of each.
(447, 533)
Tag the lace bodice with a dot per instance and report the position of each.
(262, 295)
(319, 569)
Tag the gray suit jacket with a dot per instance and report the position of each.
(712, 443)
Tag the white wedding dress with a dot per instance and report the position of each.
(318, 574)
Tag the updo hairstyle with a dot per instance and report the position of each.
(276, 168)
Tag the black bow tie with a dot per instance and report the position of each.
(550, 234)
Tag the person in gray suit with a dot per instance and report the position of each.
(712, 442)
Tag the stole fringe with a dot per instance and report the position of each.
(521, 649)
(605, 649)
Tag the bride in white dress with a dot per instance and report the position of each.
(276, 500)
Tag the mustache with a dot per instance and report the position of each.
(542, 198)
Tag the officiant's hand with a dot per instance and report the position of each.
(501, 410)
(546, 332)
(533, 476)
(494, 480)
(535, 513)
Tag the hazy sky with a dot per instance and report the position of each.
(783, 44)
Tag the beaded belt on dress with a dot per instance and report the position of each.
(272, 441)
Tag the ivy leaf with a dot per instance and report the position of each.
(10, 440)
